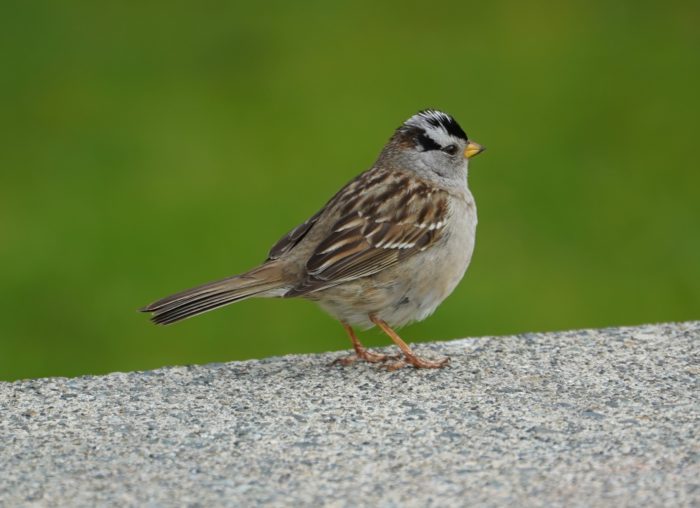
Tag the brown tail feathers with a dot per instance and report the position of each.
(216, 294)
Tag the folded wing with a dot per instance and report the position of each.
(381, 223)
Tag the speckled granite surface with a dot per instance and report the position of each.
(583, 418)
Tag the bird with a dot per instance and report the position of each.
(384, 251)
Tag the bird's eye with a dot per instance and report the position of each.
(450, 149)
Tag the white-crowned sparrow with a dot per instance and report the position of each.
(386, 250)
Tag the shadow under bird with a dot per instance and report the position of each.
(386, 250)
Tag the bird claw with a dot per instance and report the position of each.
(417, 362)
(392, 366)
(389, 362)
(365, 356)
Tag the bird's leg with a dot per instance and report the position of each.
(361, 352)
(409, 355)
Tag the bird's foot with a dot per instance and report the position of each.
(362, 354)
(409, 357)
(417, 362)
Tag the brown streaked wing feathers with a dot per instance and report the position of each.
(296, 235)
(369, 238)
(288, 241)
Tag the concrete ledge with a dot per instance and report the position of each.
(588, 418)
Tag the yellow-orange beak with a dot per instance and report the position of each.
(473, 149)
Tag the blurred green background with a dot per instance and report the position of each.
(148, 147)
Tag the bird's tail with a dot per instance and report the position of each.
(201, 299)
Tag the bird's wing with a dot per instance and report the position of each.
(381, 222)
(291, 239)
(296, 235)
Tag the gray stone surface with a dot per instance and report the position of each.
(582, 418)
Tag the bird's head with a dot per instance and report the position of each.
(431, 142)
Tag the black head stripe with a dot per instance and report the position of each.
(433, 121)
(454, 129)
(439, 119)
(426, 142)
